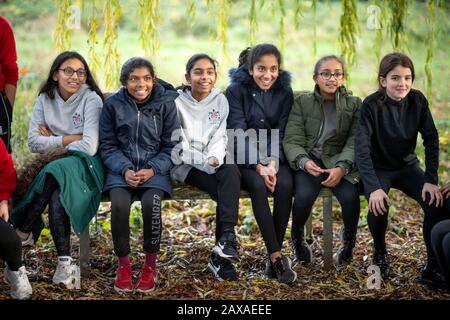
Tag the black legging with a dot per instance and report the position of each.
(307, 188)
(224, 187)
(121, 199)
(10, 246)
(58, 219)
(272, 228)
(410, 180)
(440, 241)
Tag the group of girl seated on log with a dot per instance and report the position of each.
(256, 136)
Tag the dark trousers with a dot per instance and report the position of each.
(410, 180)
(273, 227)
(121, 199)
(10, 246)
(440, 241)
(307, 189)
(224, 187)
(6, 115)
(58, 219)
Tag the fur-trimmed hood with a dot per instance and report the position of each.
(242, 76)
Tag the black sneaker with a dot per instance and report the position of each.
(226, 247)
(269, 271)
(380, 260)
(432, 278)
(283, 270)
(345, 252)
(222, 268)
(302, 251)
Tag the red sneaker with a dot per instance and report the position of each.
(147, 280)
(122, 283)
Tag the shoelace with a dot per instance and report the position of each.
(279, 265)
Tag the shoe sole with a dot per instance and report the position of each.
(144, 291)
(219, 251)
(120, 290)
(213, 270)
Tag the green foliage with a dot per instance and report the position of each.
(398, 22)
(150, 23)
(349, 28)
(111, 17)
(431, 6)
(62, 31)
(94, 58)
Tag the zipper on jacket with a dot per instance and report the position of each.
(137, 135)
(156, 126)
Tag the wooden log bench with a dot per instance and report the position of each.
(185, 192)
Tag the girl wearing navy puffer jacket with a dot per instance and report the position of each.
(135, 145)
(260, 98)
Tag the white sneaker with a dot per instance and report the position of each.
(67, 274)
(18, 280)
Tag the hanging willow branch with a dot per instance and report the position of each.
(150, 22)
(349, 28)
(94, 58)
(224, 9)
(190, 11)
(111, 17)
(397, 25)
(431, 6)
(297, 13)
(61, 35)
(379, 40)
(252, 22)
(281, 35)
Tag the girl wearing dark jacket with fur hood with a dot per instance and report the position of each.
(260, 98)
(136, 128)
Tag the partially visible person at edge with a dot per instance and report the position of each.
(260, 98)
(203, 112)
(64, 132)
(320, 146)
(386, 136)
(9, 75)
(136, 143)
(10, 247)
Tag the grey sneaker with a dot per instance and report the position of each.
(67, 274)
(18, 280)
(29, 241)
(283, 270)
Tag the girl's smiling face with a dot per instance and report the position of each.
(329, 78)
(140, 84)
(397, 82)
(202, 78)
(266, 71)
(68, 85)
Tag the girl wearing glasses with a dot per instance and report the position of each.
(64, 124)
(319, 145)
(386, 138)
(136, 143)
(260, 98)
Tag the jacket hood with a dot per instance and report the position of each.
(162, 92)
(241, 76)
(186, 96)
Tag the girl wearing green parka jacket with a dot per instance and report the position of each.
(319, 145)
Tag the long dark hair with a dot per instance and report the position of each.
(389, 62)
(50, 85)
(250, 56)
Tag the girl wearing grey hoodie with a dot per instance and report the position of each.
(65, 116)
(203, 111)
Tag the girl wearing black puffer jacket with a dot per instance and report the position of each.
(135, 145)
(260, 98)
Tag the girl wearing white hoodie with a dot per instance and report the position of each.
(203, 112)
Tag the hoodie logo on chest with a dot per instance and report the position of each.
(214, 117)
(77, 120)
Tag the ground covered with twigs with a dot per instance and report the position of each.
(188, 237)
